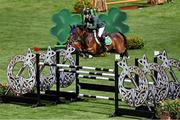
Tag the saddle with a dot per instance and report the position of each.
(105, 39)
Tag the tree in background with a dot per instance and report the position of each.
(100, 5)
(81, 4)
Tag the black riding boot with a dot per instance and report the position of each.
(103, 45)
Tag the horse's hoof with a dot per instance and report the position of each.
(81, 55)
(103, 54)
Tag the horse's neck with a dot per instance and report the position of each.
(87, 39)
(86, 34)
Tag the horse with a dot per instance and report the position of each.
(89, 45)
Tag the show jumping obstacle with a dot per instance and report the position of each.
(89, 86)
(135, 98)
(143, 97)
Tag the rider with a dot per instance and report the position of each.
(92, 22)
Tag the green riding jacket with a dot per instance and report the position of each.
(94, 23)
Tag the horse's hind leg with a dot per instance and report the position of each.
(125, 53)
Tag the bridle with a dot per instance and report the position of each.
(73, 35)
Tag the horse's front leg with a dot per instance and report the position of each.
(87, 53)
(80, 52)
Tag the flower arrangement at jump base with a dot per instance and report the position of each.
(168, 109)
(3, 88)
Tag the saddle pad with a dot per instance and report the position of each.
(108, 40)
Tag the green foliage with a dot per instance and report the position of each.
(3, 89)
(135, 42)
(170, 107)
(62, 21)
(81, 4)
(114, 21)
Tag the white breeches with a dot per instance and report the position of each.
(100, 31)
(94, 31)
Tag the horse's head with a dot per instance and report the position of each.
(75, 33)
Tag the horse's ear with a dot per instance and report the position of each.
(70, 26)
(74, 26)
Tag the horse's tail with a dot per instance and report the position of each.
(125, 44)
(125, 39)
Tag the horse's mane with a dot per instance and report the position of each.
(81, 27)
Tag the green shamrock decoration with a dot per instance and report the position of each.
(64, 18)
(61, 28)
(114, 21)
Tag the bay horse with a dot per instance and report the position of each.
(89, 46)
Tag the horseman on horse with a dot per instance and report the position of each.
(92, 41)
(94, 24)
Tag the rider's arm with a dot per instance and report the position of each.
(85, 23)
(95, 23)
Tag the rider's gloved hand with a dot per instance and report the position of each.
(89, 25)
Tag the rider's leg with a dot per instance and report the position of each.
(94, 32)
(102, 39)
(100, 31)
